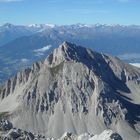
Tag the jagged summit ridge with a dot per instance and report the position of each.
(69, 52)
(77, 90)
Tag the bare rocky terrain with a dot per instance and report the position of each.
(8, 132)
(74, 90)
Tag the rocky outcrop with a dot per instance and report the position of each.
(106, 135)
(8, 132)
(17, 134)
(75, 90)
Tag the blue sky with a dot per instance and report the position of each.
(124, 12)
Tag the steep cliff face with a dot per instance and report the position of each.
(75, 90)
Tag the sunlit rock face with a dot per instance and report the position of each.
(75, 90)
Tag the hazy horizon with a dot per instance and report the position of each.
(109, 24)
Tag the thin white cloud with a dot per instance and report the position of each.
(41, 51)
(136, 64)
(129, 56)
(87, 11)
(120, 1)
(10, 1)
(123, 1)
(24, 60)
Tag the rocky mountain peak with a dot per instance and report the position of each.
(75, 90)
(69, 52)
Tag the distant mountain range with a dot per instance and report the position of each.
(74, 90)
(20, 46)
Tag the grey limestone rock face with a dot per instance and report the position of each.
(75, 90)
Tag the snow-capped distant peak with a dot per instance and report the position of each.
(50, 25)
(42, 25)
(34, 25)
(80, 25)
(84, 25)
